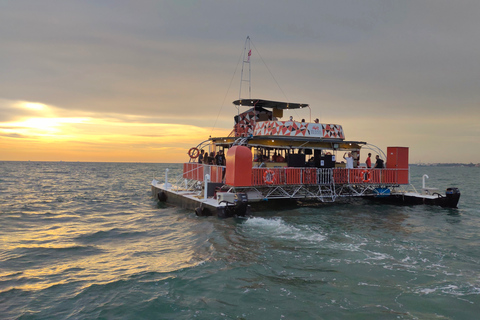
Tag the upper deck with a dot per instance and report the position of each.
(261, 126)
(259, 121)
(289, 134)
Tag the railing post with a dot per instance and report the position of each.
(207, 179)
(423, 180)
(166, 179)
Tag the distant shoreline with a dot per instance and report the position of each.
(444, 164)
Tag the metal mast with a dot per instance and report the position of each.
(247, 52)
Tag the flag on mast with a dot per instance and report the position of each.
(249, 54)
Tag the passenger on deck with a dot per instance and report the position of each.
(211, 158)
(280, 158)
(303, 120)
(200, 157)
(220, 159)
(379, 163)
(368, 162)
(291, 118)
(206, 159)
(316, 120)
(274, 157)
(349, 160)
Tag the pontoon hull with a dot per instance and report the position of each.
(202, 207)
(449, 200)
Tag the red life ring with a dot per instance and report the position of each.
(268, 176)
(193, 153)
(366, 176)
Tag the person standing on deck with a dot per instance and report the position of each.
(211, 158)
(349, 160)
(200, 157)
(369, 161)
(206, 160)
(220, 159)
(379, 163)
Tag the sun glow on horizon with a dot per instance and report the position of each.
(41, 134)
(42, 127)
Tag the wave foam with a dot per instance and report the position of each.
(279, 229)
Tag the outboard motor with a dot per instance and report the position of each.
(241, 204)
(452, 196)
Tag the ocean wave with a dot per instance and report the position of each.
(22, 258)
(280, 229)
(450, 289)
(114, 234)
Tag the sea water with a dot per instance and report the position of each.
(87, 241)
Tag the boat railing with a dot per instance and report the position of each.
(388, 176)
(324, 176)
(197, 171)
(291, 176)
(305, 176)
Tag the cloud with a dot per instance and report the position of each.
(12, 135)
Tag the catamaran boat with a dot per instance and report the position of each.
(266, 158)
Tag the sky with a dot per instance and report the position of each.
(144, 81)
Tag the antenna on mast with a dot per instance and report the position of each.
(247, 52)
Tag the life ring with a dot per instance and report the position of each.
(193, 153)
(366, 175)
(268, 176)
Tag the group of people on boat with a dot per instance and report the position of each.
(276, 157)
(379, 163)
(212, 159)
(303, 120)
